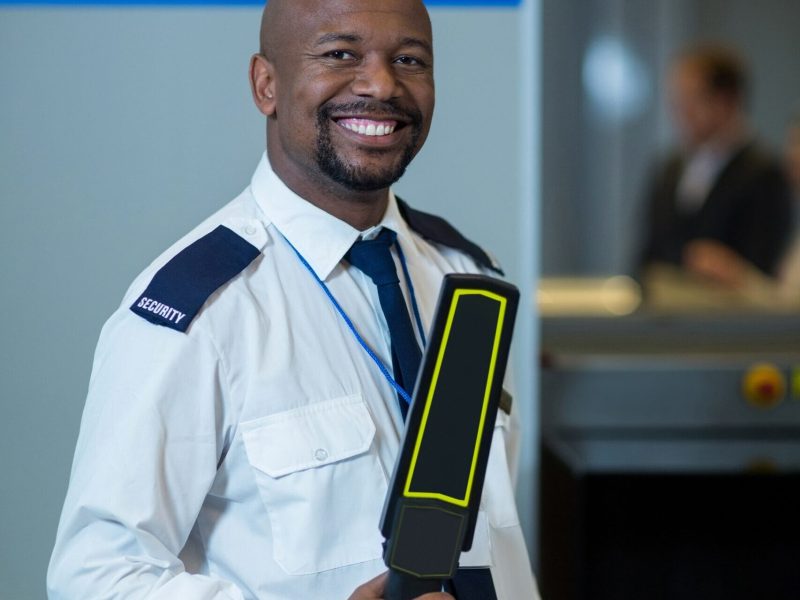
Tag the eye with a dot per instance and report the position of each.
(411, 61)
(340, 55)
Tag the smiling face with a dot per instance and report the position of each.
(348, 89)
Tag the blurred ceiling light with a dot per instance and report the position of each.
(615, 79)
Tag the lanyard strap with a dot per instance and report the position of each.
(381, 367)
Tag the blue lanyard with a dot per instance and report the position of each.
(386, 374)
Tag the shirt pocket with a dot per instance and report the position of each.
(322, 483)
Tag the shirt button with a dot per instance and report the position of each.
(250, 230)
(320, 454)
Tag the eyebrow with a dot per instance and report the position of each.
(338, 37)
(353, 38)
(418, 43)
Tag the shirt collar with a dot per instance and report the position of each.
(321, 238)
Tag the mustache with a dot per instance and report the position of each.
(364, 107)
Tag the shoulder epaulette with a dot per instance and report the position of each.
(438, 230)
(181, 287)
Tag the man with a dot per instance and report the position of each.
(727, 267)
(721, 192)
(245, 407)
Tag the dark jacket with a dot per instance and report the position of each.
(749, 209)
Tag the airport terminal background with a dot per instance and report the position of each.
(601, 136)
(124, 126)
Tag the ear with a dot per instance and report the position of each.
(262, 84)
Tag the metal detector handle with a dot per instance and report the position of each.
(407, 587)
(431, 507)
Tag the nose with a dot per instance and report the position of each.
(376, 79)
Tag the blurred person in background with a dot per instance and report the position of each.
(722, 264)
(720, 193)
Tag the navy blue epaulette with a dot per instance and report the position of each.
(181, 287)
(438, 230)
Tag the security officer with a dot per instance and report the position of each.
(246, 402)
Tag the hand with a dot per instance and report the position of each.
(374, 588)
(717, 262)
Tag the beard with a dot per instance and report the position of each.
(364, 179)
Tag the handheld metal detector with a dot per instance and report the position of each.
(432, 504)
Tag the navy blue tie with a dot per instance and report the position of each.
(374, 259)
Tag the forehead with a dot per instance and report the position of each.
(367, 19)
(687, 78)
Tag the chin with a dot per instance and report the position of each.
(367, 177)
(359, 181)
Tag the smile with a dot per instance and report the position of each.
(368, 127)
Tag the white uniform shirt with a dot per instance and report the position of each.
(699, 176)
(250, 456)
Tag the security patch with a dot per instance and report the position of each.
(181, 287)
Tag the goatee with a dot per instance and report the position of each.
(359, 178)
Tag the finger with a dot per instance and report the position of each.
(378, 584)
(372, 589)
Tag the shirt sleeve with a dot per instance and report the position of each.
(152, 433)
(510, 426)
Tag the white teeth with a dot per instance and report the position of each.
(371, 130)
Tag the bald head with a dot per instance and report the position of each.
(283, 19)
(274, 22)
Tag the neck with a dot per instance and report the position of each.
(730, 136)
(359, 209)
